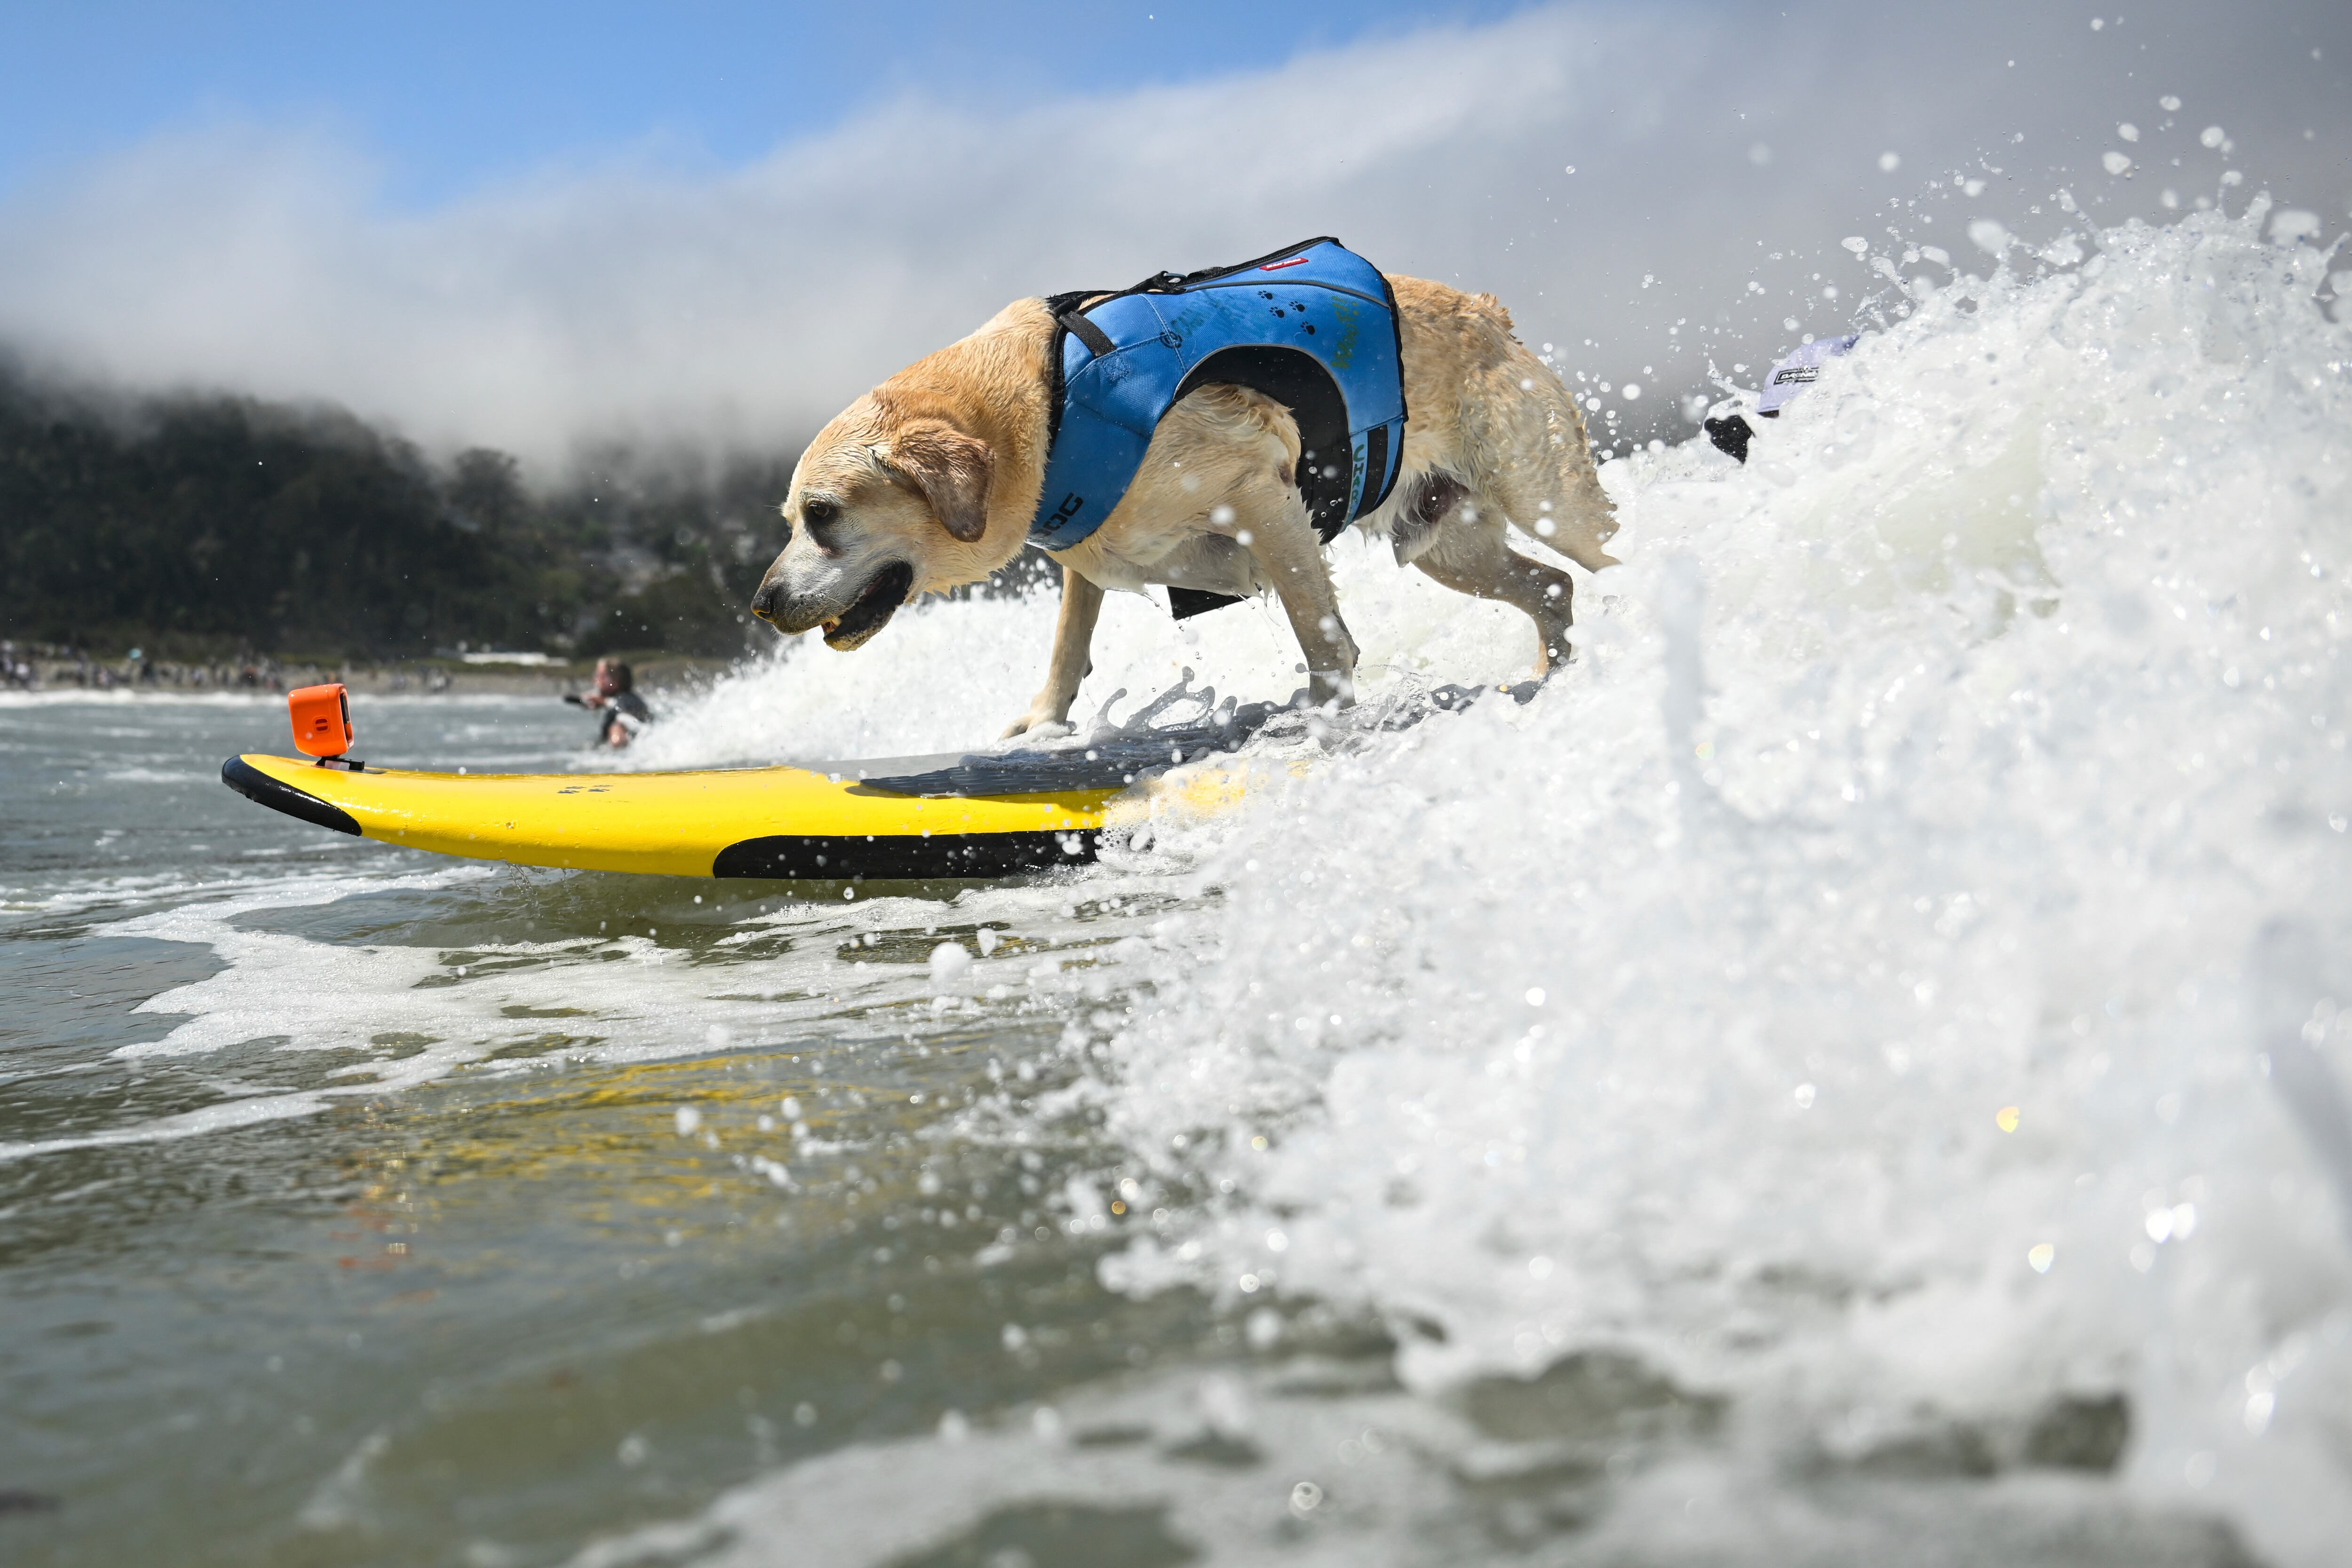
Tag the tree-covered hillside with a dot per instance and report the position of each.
(186, 522)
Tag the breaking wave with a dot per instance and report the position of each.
(1887, 989)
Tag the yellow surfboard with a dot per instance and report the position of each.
(955, 815)
(958, 814)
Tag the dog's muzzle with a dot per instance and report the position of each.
(846, 625)
(764, 603)
(872, 610)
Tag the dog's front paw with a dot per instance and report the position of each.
(1331, 688)
(1036, 721)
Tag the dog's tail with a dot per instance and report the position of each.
(1581, 516)
(1512, 434)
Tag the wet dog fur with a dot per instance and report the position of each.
(930, 481)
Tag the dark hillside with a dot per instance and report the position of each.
(192, 521)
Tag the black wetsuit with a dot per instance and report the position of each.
(617, 705)
(1792, 375)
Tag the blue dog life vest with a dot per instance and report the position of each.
(1312, 327)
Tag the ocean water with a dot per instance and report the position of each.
(1852, 1070)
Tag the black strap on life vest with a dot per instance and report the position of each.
(1096, 340)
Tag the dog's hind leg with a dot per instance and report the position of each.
(1468, 554)
(1273, 525)
(1074, 635)
(1525, 460)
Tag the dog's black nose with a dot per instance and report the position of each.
(764, 603)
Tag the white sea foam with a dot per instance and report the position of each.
(409, 1015)
(179, 696)
(243, 1110)
(88, 892)
(129, 696)
(1988, 764)
(1887, 983)
(947, 676)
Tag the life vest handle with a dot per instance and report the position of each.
(1096, 340)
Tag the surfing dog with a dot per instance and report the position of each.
(932, 480)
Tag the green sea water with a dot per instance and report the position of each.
(293, 1273)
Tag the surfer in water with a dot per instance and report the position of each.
(1792, 375)
(623, 712)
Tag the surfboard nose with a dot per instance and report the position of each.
(263, 790)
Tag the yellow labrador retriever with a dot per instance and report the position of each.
(933, 479)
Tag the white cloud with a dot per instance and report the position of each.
(631, 299)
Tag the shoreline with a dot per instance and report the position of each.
(54, 677)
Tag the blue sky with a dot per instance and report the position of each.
(709, 224)
(451, 96)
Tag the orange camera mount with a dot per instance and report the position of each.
(322, 725)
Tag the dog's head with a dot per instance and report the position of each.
(885, 505)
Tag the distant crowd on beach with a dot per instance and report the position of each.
(45, 666)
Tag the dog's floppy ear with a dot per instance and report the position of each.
(950, 469)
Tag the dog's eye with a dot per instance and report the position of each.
(817, 511)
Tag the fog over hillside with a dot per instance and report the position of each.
(1665, 181)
